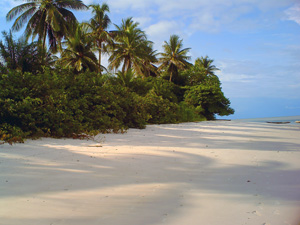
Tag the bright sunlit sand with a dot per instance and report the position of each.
(213, 173)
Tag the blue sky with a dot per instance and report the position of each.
(255, 43)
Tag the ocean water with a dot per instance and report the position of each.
(290, 119)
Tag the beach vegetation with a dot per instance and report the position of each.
(98, 30)
(78, 54)
(71, 94)
(132, 49)
(174, 56)
(207, 64)
(50, 19)
(18, 54)
(208, 100)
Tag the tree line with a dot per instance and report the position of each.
(56, 84)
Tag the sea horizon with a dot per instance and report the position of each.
(290, 119)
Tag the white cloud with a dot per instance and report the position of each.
(205, 21)
(293, 13)
(208, 16)
(162, 30)
(88, 2)
(129, 4)
(246, 78)
(143, 21)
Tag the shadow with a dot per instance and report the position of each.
(108, 186)
(213, 134)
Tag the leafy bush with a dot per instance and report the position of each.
(188, 113)
(60, 103)
(11, 134)
(208, 100)
(160, 110)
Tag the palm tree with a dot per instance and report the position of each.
(125, 78)
(131, 48)
(206, 64)
(46, 58)
(174, 57)
(98, 26)
(19, 55)
(45, 18)
(148, 67)
(9, 51)
(79, 52)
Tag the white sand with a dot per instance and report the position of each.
(207, 173)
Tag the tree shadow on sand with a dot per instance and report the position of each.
(154, 186)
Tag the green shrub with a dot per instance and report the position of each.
(160, 110)
(59, 103)
(11, 134)
(188, 113)
(208, 100)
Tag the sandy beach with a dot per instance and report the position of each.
(213, 173)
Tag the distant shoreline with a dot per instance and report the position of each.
(290, 119)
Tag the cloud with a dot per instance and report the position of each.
(161, 31)
(88, 2)
(246, 78)
(143, 21)
(293, 13)
(130, 4)
(162, 28)
(209, 16)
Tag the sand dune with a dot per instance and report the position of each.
(213, 173)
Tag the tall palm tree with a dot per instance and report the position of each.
(79, 52)
(45, 18)
(174, 56)
(98, 26)
(131, 49)
(148, 67)
(206, 64)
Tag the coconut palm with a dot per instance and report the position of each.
(79, 52)
(45, 18)
(148, 67)
(45, 57)
(21, 56)
(98, 26)
(206, 64)
(9, 50)
(174, 56)
(125, 78)
(131, 49)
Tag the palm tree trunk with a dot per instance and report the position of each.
(128, 65)
(123, 67)
(171, 76)
(99, 61)
(100, 55)
(44, 41)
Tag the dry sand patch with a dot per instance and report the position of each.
(194, 173)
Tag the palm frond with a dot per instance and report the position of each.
(71, 4)
(19, 22)
(19, 9)
(32, 25)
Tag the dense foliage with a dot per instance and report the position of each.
(43, 95)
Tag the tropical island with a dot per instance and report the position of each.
(53, 83)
